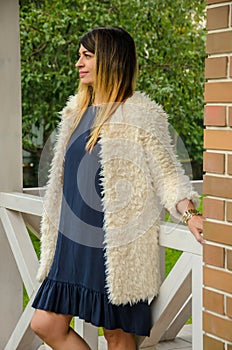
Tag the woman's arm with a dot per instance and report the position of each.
(195, 223)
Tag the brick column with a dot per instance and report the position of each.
(217, 290)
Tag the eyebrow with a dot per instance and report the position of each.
(84, 51)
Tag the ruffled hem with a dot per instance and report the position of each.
(93, 307)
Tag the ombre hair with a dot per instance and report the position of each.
(115, 75)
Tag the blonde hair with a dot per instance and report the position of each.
(115, 75)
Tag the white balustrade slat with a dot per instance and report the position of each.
(172, 284)
(178, 322)
(21, 247)
(35, 191)
(25, 203)
(88, 332)
(174, 293)
(33, 223)
(11, 290)
(179, 237)
(16, 339)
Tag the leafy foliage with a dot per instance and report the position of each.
(170, 40)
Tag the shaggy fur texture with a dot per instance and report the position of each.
(140, 174)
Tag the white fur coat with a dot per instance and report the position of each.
(139, 172)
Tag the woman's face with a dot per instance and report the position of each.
(86, 66)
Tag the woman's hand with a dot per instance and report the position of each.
(195, 225)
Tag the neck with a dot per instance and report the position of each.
(97, 101)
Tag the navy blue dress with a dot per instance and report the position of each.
(76, 282)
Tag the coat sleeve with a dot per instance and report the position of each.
(169, 179)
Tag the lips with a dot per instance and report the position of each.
(82, 74)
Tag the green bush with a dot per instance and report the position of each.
(170, 40)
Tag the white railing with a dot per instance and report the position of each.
(180, 294)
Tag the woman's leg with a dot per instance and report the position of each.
(117, 339)
(54, 329)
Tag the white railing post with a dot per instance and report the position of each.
(197, 280)
(11, 288)
(87, 332)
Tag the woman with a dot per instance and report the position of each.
(113, 163)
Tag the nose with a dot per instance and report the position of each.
(79, 63)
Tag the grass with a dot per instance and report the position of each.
(171, 256)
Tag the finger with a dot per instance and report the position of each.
(198, 235)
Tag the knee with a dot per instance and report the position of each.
(118, 336)
(112, 336)
(34, 325)
(108, 334)
(40, 325)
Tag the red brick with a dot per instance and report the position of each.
(216, 68)
(230, 67)
(229, 306)
(215, 115)
(218, 139)
(213, 208)
(217, 279)
(217, 186)
(229, 259)
(217, 326)
(217, 17)
(218, 91)
(230, 117)
(213, 255)
(218, 233)
(211, 343)
(213, 301)
(229, 211)
(231, 26)
(214, 162)
(219, 42)
(229, 167)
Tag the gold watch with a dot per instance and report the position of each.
(188, 214)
